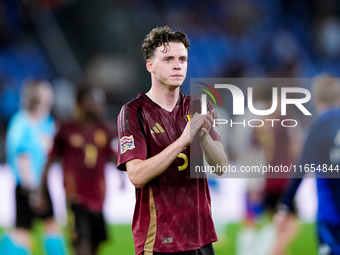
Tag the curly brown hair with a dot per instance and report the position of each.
(162, 36)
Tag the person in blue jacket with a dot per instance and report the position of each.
(28, 140)
(321, 156)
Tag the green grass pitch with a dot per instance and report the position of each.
(121, 242)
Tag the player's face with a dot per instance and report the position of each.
(46, 98)
(94, 104)
(169, 68)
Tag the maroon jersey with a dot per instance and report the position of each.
(85, 152)
(172, 212)
(275, 143)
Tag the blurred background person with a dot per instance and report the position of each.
(29, 138)
(84, 145)
(280, 146)
(321, 156)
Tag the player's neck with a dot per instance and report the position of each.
(35, 116)
(322, 107)
(87, 120)
(166, 98)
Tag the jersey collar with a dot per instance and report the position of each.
(143, 95)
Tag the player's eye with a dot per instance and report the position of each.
(167, 59)
(183, 60)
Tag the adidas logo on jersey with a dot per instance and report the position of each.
(157, 128)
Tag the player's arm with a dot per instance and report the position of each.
(19, 139)
(40, 201)
(213, 150)
(140, 171)
(286, 208)
(24, 164)
(49, 162)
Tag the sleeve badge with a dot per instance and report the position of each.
(126, 143)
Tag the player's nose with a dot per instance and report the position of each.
(177, 65)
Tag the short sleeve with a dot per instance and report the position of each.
(23, 142)
(15, 141)
(131, 143)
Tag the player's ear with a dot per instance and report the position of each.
(149, 66)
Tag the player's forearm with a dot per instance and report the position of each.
(24, 171)
(40, 199)
(142, 171)
(47, 166)
(213, 152)
(289, 195)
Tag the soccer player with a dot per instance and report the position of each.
(157, 142)
(321, 148)
(280, 147)
(84, 146)
(29, 137)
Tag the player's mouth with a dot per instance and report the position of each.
(177, 76)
